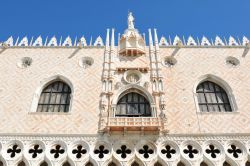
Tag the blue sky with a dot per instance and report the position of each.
(92, 17)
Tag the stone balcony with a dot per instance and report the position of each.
(134, 124)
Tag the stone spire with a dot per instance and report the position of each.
(107, 40)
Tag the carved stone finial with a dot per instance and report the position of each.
(131, 21)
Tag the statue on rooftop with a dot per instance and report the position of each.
(131, 21)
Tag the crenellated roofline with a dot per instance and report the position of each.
(163, 42)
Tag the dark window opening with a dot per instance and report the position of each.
(55, 98)
(133, 105)
(212, 98)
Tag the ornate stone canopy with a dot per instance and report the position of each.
(131, 43)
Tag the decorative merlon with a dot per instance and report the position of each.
(164, 42)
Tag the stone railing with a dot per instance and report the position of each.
(134, 123)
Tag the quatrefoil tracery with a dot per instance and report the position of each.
(169, 151)
(123, 151)
(145, 151)
(57, 151)
(235, 151)
(15, 149)
(79, 151)
(101, 151)
(35, 151)
(213, 151)
(190, 151)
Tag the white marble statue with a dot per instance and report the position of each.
(131, 21)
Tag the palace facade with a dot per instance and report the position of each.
(141, 102)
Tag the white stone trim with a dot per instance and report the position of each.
(45, 82)
(133, 141)
(221, 83)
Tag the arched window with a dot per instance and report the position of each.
(212, 98)
(55, 98)
(133, 105)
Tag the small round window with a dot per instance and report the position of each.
(169, 61)
(232, 61)
(86, 62)
(25, 62)
(132, 76)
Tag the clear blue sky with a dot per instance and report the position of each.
(92, 17)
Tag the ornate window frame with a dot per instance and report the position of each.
(133, 88)
(223, 84)
(43, 84)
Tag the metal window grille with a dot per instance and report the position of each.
(55, 98)
(212, 98)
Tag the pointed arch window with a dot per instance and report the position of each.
(55, 98)
(133, 105)
(212, 98)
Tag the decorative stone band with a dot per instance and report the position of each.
(124, 150)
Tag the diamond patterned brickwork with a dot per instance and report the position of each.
(18, 86)
(193, 63)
